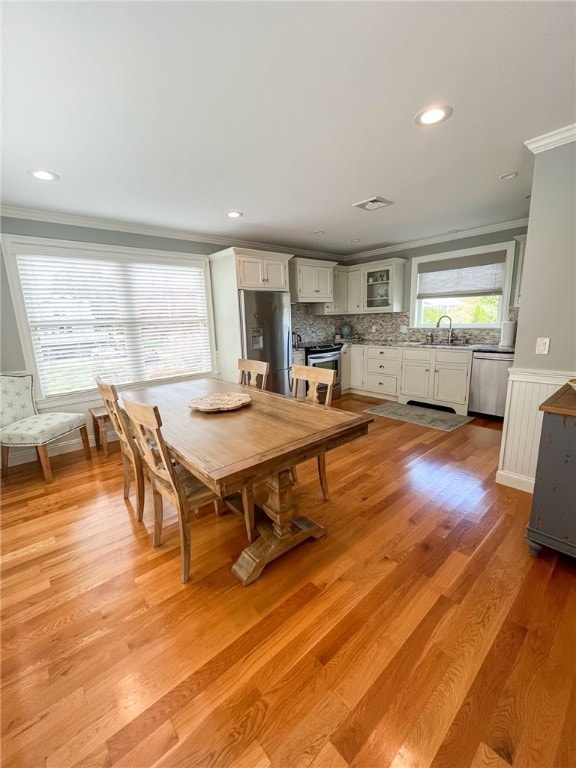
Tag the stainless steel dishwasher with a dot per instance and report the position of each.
(489, 382)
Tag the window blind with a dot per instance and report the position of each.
(126, 319)
(479, 275)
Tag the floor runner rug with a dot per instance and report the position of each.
(415, 414)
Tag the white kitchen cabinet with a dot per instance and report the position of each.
(381, 370)
(356, 367)
(354, 297)
(436, 376)
(338, 305)
(382, 285)
(255, 273)
(346, 367)
(312, 280)
(415, 379)
(450, 384)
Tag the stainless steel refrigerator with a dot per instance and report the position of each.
(265, 325)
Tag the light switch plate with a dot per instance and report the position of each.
(542, 346)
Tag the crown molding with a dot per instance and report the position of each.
(440, 239)
(75, 220)
(550, 140)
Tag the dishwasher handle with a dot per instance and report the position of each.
(507, 358)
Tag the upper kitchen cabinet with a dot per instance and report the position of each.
(354, 291)
(382, 286)
(312, 280)
(339, 303)
(250, 269)
(268, 272)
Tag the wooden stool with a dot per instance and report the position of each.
(100, 420)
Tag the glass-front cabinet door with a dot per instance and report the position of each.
(378, 286)
(382, 286)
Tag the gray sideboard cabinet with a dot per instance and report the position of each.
(553, 518)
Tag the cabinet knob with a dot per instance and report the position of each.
(381, 353)
(381, 366)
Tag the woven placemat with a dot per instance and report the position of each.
(226, 401)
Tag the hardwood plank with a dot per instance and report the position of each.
(471, 721)
(351, 735)
(418, 632)
(486, 758)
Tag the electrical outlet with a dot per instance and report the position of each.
(373, 329)
(542, 346)
(403, 329)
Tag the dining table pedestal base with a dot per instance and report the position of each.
(269, 546)
(279, 534)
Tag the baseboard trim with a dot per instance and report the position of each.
(365, 393)
(520, 482)
(28, 455)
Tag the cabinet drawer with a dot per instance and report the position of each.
(382, 352)
(387, 385)
(382, 366)
(417, 354)
(457, 356)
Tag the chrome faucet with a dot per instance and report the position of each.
(449, 328)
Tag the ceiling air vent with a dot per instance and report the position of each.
(373, 203)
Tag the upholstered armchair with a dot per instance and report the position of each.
(22, 426)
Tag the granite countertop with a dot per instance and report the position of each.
(423, 345)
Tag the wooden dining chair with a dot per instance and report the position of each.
(313, 377)
(128, 449)
(170, 481)
(250, 370)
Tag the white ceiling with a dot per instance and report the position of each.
(172, 114)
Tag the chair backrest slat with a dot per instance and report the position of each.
(109, 395)
(314, 376)
(145, 423)
(250, 370)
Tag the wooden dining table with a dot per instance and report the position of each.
(234, 452)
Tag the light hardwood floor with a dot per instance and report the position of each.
(417, 633)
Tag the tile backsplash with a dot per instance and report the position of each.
(321, 328)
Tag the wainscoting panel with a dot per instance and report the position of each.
(527, 389)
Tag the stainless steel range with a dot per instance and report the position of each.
(325, 356)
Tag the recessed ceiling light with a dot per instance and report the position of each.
(320, 232)
(432, 115)
(355, 240)
(42, 175)
(235, 214)
(506, 176)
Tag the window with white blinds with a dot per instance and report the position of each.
(129, 318)
(471, 286)
(480, 275)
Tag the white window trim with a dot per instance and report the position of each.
(509, 247)
(15, 245)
